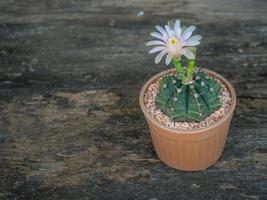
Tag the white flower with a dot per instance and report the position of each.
(173, 42)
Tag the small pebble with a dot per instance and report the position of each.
(140, 13)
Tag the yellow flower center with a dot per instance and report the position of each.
(173, 41)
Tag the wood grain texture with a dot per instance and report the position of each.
(71, 72)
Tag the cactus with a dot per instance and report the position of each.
(191, 95)
(190, 102)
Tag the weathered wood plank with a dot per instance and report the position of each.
(101, 12)
(60, 56)
(62, 139)
(70, 76)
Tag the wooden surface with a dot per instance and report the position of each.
(71, 72)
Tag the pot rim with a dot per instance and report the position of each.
(197, 130)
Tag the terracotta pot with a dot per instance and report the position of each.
(189, 150)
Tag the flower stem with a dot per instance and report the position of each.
(190, 68)
(178, 67)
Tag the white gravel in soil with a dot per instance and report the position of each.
(149, 102)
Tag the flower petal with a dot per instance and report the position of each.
(191, 43)
(177, 28)
(155, 42)
(156, 49)
(162, 31)
(160, 55)
(168, 59)
(187, 33)
(157, 35)
(186, 52)
(194, 38)
(169, 31)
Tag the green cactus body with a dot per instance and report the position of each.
(189, 102)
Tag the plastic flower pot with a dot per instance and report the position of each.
(189, 150)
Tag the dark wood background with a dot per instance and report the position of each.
(71, 72)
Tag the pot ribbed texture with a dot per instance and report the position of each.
(189, 153)
(189, 150)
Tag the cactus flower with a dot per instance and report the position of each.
(173, 42)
